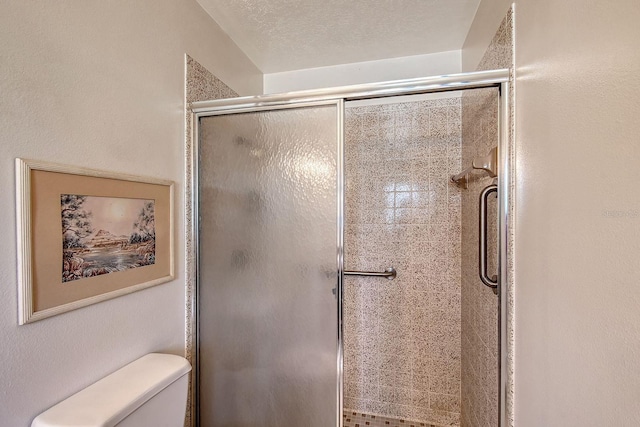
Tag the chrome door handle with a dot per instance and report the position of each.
(492, 281)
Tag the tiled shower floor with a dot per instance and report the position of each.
(352, 418)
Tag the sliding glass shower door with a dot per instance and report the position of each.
(268, 287)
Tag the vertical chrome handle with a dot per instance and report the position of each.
(491, 282)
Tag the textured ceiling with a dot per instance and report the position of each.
(283, 35)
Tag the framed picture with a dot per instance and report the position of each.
(85, 236)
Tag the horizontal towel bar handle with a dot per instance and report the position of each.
(389, 273)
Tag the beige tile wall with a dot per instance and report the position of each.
(479, 303)
(402, 337)
(480, 352)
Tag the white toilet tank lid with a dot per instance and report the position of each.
(111, 399)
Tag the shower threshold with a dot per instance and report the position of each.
(351, 418)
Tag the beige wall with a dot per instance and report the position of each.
(577, 230)
(97, 84)
(405, 67)
(578, 213)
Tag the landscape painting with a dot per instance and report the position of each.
(102, 235)
(87, 236)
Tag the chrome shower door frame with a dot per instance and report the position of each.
(337, 96)
(339, 104)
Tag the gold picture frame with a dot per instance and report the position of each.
(86, 236)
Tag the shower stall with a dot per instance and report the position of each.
(351, 248)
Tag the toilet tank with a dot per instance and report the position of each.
(149, 392)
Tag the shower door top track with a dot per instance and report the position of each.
(446, 83)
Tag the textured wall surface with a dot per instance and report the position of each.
(97, 85)
(578, 213)
(201, 85)
(402, 337)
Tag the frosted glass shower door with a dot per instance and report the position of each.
(268, 283)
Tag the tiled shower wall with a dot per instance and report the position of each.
(480, 352)
(479, 303)
(402, 337)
